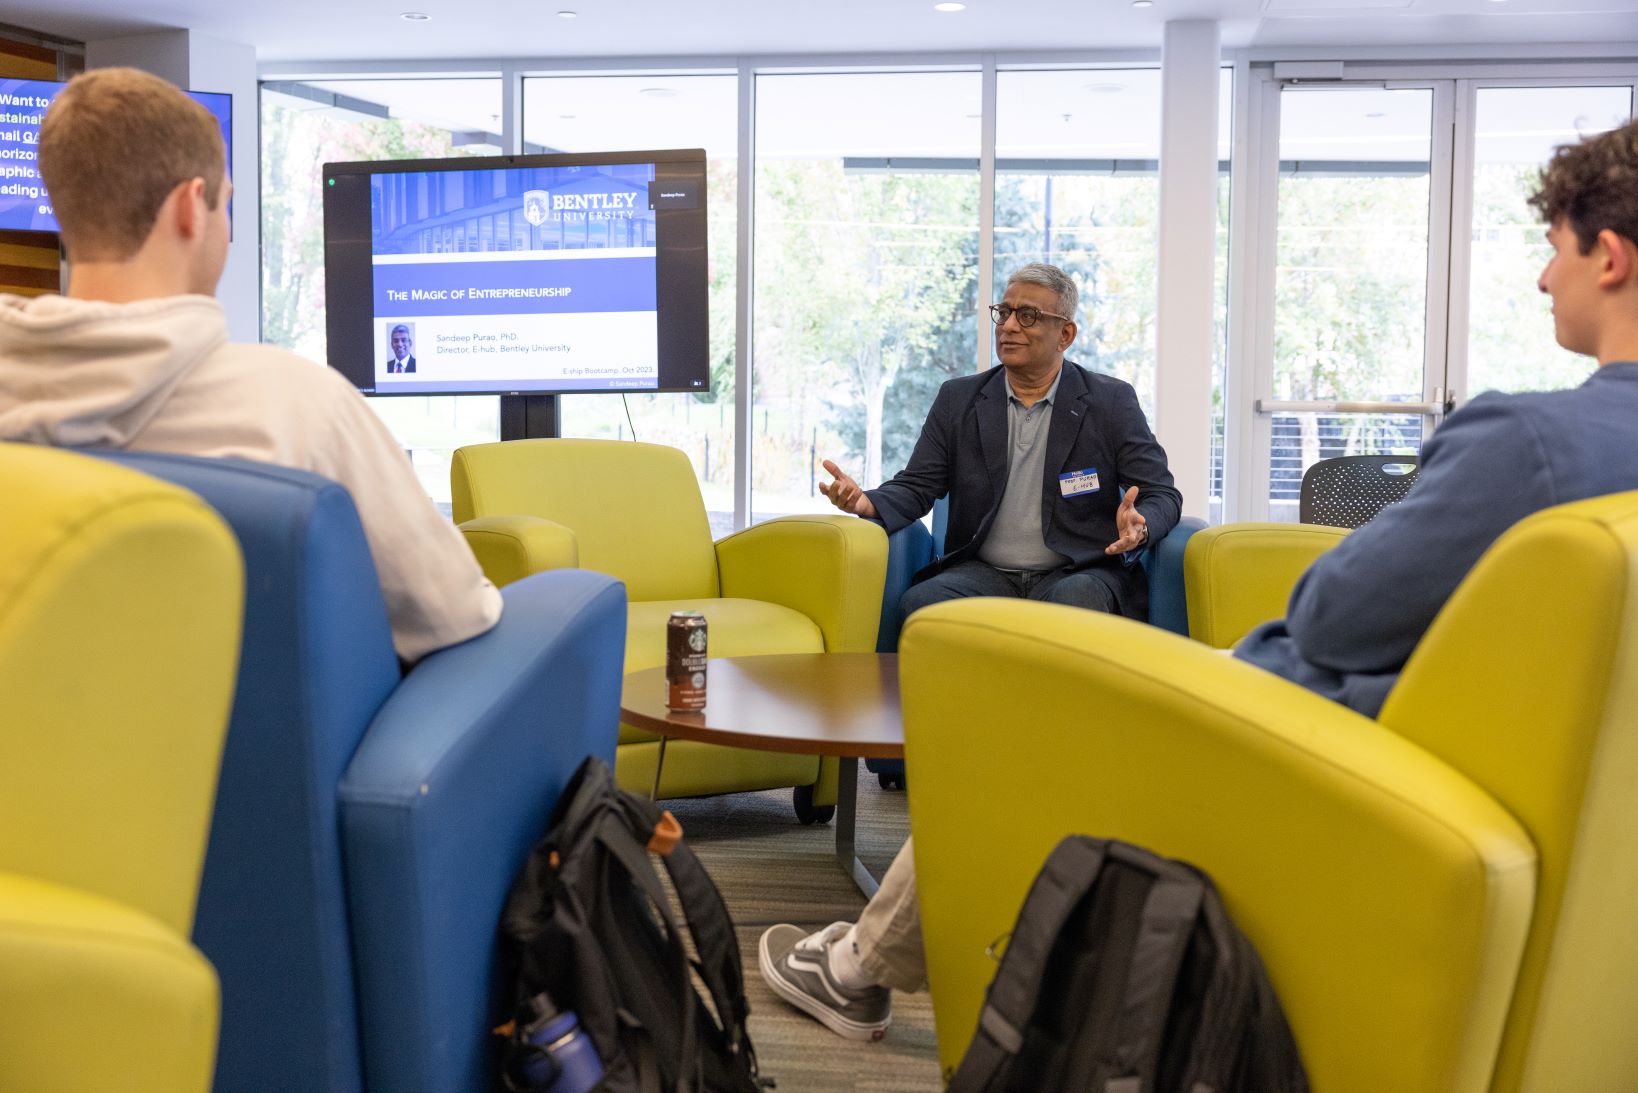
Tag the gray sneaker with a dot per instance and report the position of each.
(797, 966)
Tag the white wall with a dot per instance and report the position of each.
(199, 62)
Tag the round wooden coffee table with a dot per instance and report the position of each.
(840, 704)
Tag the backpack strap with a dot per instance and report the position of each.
(1244, 1040)
(614, 833)
(1169, 913)
(1069, 874)
(1224, 1005)
(713, 931)
(645, 1060)
(707, 918)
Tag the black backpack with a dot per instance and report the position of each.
(589, 923)
(1123, 974)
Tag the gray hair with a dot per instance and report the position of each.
(397, 328)
(1039, 273)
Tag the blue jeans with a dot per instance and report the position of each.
(1089, 588)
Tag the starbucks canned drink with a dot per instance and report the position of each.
(685, 660)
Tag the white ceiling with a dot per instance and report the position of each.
(327, 30)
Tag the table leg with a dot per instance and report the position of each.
(659, 765)
(847, 800)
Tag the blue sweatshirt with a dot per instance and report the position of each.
(1360, 609)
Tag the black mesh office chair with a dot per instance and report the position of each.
(1347, 491)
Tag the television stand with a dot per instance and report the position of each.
(529, 417)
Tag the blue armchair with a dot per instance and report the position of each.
(368, 825)
(914, 547)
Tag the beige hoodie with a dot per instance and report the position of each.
(161, 376)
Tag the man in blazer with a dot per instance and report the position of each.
(1054, 479)
(401, 359)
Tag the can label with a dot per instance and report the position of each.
(685, 660)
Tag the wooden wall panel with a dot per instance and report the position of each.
(27, 267)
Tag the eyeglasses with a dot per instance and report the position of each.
(1027, 316)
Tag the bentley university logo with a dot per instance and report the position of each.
(535, 203)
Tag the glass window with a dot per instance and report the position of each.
(866, 271)
(620, 113)
(1510, 344)
(1077, 185)
(305, 125)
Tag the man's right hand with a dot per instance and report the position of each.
(845, 493)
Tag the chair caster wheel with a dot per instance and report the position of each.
(806, 811)
(890, 781)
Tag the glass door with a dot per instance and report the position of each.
(1360, 233)
(1391, 260)
(1505, 342)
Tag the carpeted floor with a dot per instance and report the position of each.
(771, 869)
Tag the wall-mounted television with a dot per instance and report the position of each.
(531, 274)
(24, 203)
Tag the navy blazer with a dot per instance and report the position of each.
(1096, 423)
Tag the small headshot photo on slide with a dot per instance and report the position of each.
(401, 341)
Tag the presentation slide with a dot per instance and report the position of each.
(24, 204)
(496, 279)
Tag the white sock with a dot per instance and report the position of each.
(843, 957)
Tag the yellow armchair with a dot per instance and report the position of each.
(510, 548)
(795, 585)
(1236, 576)
(120, 601)
(1443, 897)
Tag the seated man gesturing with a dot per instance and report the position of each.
(1054, 479)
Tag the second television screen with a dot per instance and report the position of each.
(542, 273)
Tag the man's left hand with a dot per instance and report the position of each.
(1133, 528)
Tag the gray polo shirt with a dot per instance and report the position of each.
(1015, 540)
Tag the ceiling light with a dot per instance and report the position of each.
(951, 5)
(415, 16)
(568, 14)
(1143, 3)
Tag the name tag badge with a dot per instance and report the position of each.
(1076, 483)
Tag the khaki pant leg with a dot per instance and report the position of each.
(889, 930)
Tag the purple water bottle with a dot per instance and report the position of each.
(567, 1060)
